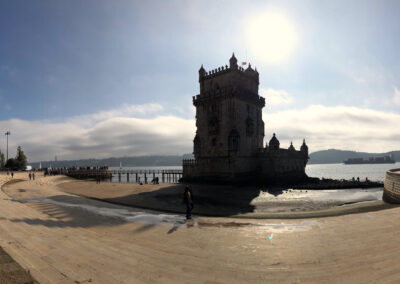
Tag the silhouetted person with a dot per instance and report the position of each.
(12, 174)
(188, 200)
(33, 176)
(30, 176)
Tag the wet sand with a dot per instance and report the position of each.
(64, 238)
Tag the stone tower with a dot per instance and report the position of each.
(228, 144)
(228, 112)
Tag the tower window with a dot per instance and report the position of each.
(233, 141)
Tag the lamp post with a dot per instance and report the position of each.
(8, 133)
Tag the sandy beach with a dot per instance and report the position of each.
(64, 238)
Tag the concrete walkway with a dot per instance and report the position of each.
(62, 238)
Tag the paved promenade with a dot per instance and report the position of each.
(63, 238)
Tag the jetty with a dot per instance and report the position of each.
(139, 175)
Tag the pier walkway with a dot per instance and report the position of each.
(139, 175)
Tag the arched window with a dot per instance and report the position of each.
(197, 145)
(233, 141)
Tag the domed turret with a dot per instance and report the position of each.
(233, 61)
(291, 148)
(274, 143)
(304, 147)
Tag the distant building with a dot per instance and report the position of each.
(228, 145)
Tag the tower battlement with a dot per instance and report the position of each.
(232, 77)
(225, 69)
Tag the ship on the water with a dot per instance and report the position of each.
(371, 160)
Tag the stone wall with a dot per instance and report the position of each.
(391, 192)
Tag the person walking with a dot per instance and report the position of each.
(188, 200)
(33, 176)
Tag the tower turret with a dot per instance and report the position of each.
(233, 62)
(274, 143)
(304, 147)
(291, 147)
(202, 72)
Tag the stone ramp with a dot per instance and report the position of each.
(11, 272)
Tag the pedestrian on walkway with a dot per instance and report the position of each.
(188, 200)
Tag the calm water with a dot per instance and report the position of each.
(374, 172)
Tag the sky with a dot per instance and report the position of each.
(96, 79)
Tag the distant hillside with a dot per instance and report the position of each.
(333, 156)
(141, 161)
(330, 156)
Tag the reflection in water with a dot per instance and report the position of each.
(327, 195)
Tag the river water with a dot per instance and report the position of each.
(374, 172)
(289, 200)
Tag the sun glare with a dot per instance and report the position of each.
(271, 37)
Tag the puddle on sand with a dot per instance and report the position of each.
(288, 227)
(331, 195)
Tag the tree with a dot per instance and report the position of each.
(21, 158)
(2, 160)
(12, 164)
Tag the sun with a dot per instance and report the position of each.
(271, 37)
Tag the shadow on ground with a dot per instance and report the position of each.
(209, 200)
(66, 211)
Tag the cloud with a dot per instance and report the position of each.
(276, 97)
(125, 132)
(124, 111)
(339, 127)
(104, 134)
(396, 96)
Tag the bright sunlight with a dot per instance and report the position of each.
(271, 37)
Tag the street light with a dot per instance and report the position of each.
(8, 133)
